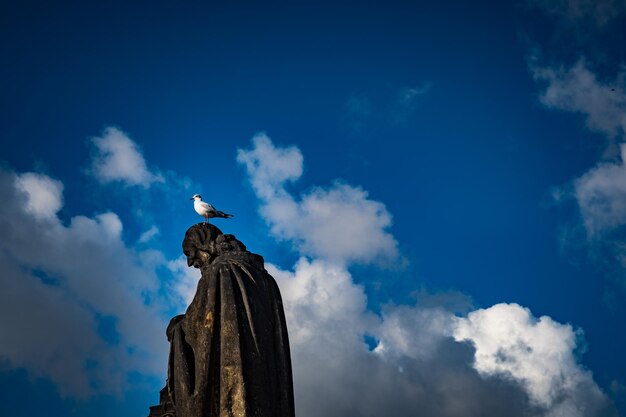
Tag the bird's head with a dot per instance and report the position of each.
(196, 197)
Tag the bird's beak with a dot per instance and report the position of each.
(191, 198)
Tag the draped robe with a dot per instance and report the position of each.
(229, 353)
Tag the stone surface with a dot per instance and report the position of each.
(165, 408)
(229, 353)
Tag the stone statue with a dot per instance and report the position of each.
(229, 353)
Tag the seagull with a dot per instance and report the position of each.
(206, 210)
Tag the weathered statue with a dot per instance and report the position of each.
(229, 353)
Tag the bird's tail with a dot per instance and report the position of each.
(223, 215)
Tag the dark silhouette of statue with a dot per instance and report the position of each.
(229, 353)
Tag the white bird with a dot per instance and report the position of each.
(206, 210)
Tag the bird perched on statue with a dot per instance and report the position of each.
(206, 210)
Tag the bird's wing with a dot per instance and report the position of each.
(207, 206)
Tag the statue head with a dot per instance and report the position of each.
(204, 242)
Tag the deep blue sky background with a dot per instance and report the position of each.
(467, 171)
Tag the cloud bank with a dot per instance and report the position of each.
(79, 306)
(418, 359)
(94, 302)
(73, 306)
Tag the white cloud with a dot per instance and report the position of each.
(44, 195)
(186, 279)
(338, 223)
(327, 318)
(539, 353)
(149, 234)
(269, 167)
(578, 90)
(417, 365)
(601, 195)
(118, 158)
(601, 191)
(77, 305)
(319, 293)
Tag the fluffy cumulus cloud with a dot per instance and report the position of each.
(601, 195)
(118, 159)
(77, 306)
(416, 368)
(536, 352)
(44, 196)
(578, 89)
(420, 359)
(338, 223)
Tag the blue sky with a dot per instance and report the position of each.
(436, 186)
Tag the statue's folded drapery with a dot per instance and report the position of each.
(229, 353)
